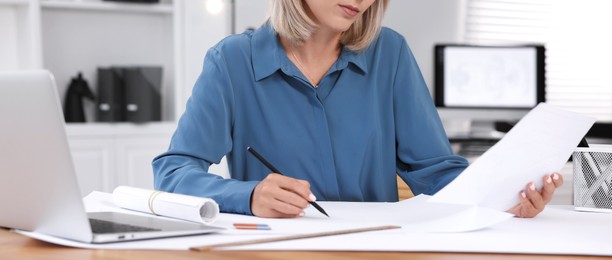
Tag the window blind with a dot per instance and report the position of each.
(577, 39)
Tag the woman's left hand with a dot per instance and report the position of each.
(533, 201)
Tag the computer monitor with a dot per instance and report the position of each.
(482, 85)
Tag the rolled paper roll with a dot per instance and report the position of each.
(178, 206)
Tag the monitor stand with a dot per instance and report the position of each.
(477, 137)
(472, 129)
(484, 130)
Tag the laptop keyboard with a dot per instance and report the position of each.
(104, 227)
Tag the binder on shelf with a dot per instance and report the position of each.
(110, 96)
(129, 94)
(142, 94)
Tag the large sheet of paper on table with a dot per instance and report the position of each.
(557, 230)
(414, 215)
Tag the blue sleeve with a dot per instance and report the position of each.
(425, 160)
(203, 137)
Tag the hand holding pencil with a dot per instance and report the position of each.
(279, 196)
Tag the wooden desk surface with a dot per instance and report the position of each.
(16, 246)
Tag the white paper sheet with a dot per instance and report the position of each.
(184, 207)
(539, 144)
(558, 230)
(414, 215)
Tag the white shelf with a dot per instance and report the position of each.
(161, 8)
(85, 130)
(70, 36)
(14, 2)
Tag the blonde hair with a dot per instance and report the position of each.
(289, 19)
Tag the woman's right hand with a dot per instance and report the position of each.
(279, 196)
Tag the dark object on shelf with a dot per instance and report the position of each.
(73, 103)
(129, 94)
(142, 94)
(134, 1)
(110, 97)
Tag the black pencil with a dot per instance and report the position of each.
(273, 169)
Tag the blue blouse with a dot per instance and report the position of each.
(370, 118)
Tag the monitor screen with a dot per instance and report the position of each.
(469, 76)
(488, 83)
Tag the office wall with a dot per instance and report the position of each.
(249, 14)
(201, 30)
(424, 23)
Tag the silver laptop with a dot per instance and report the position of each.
(38, 186)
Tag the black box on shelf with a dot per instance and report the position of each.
(129, 94)
(142, 94)
(110, 102)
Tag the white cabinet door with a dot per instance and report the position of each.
(134, 157)
(93, 162)
(110, 155)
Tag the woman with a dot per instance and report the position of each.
(333, 100)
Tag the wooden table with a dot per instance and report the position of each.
(16, 246)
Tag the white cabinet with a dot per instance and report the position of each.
(71, 36)
(109, 155)
(93, 162)
(134, 156)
